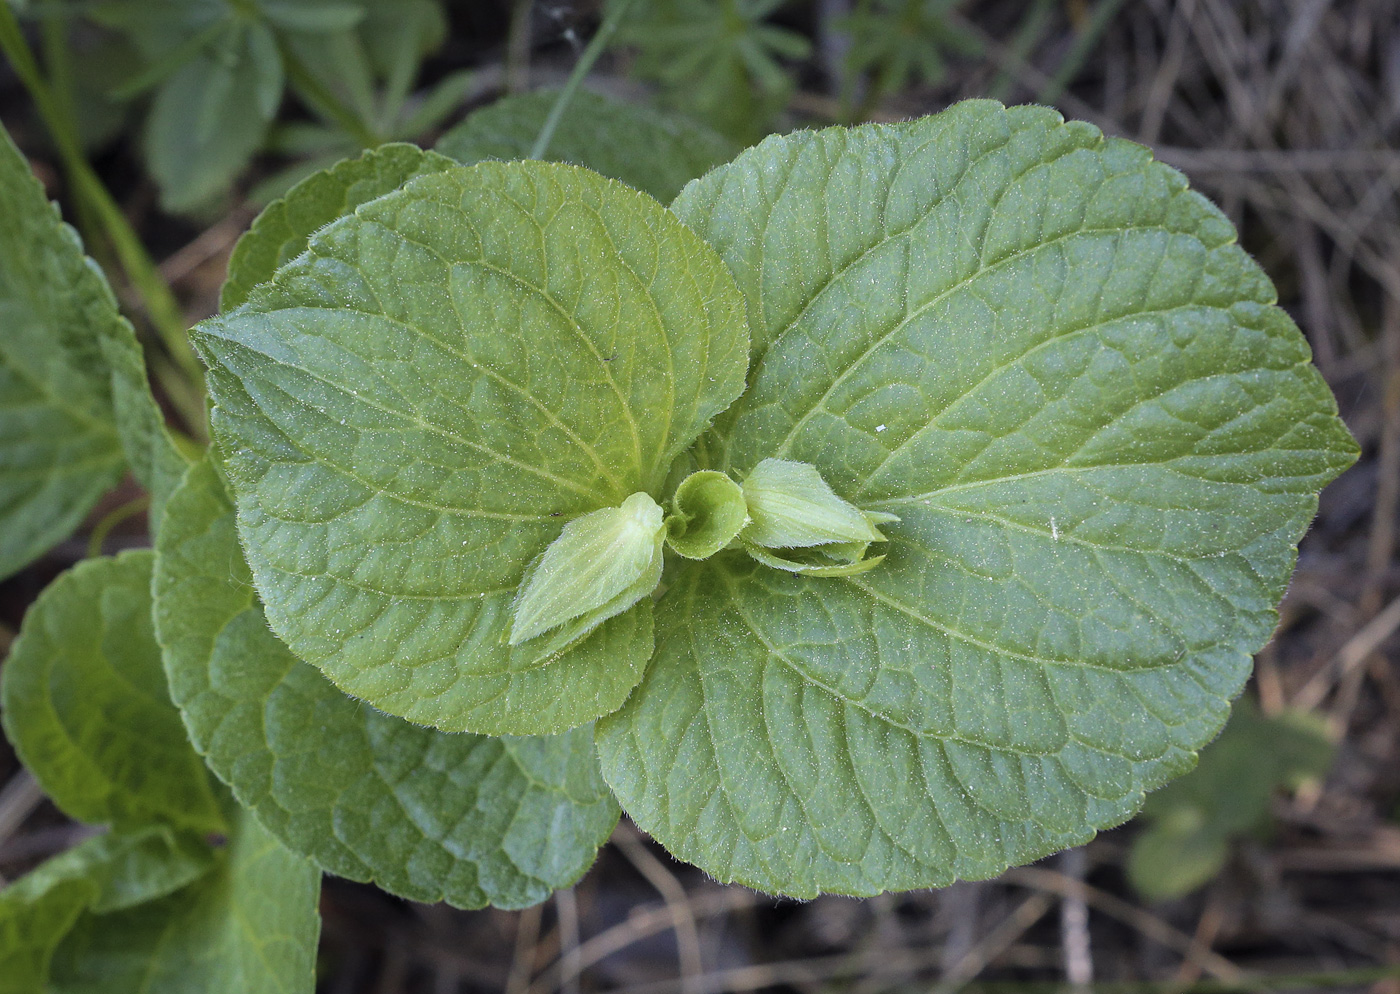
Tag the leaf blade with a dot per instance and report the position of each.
(107, 873)
(251, 925)
(58, 453)
(280, 233)
(425, 815)
(202, 130)
(572, 387)
(1047, 357)
(87, 708)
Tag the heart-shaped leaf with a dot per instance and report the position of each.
(280, 233)
(414, 408)
(1048, 358)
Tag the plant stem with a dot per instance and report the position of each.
(585, 62)
(58, 61)
(111, 519)
(156, 296)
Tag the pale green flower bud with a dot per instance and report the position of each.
(600, 565)
(792, 507)
(709, 511)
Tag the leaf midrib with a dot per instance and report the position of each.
(539, 291)
(564, 316)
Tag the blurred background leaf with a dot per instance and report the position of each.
(1191, 823)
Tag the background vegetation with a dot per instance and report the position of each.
(1279, 858)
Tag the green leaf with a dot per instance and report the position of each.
(434, 105)
(792, 507)
(251, 925)
(1179, 853)
(59, 450)
(280, 233)
(398, 33)
(72, 379)
(599, 133)
(160, 26)
(1192, 821)
(86, 706)
(34, 918)
(847, 560)
(1048, 357)
(902, 42)
(208, 118)
(339, 62)
(413, 410)
(266, 63)
(717, 59)
(426, 815)
(124, 868)
(151, 452)
(106, 873)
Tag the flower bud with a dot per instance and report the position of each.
(600, 565)
(792, 507)
(709, 511)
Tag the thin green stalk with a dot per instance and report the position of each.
(58, 60)
(111, 519)
(160, 304)
(1083, 47)
(310, 89)
(585, 62)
